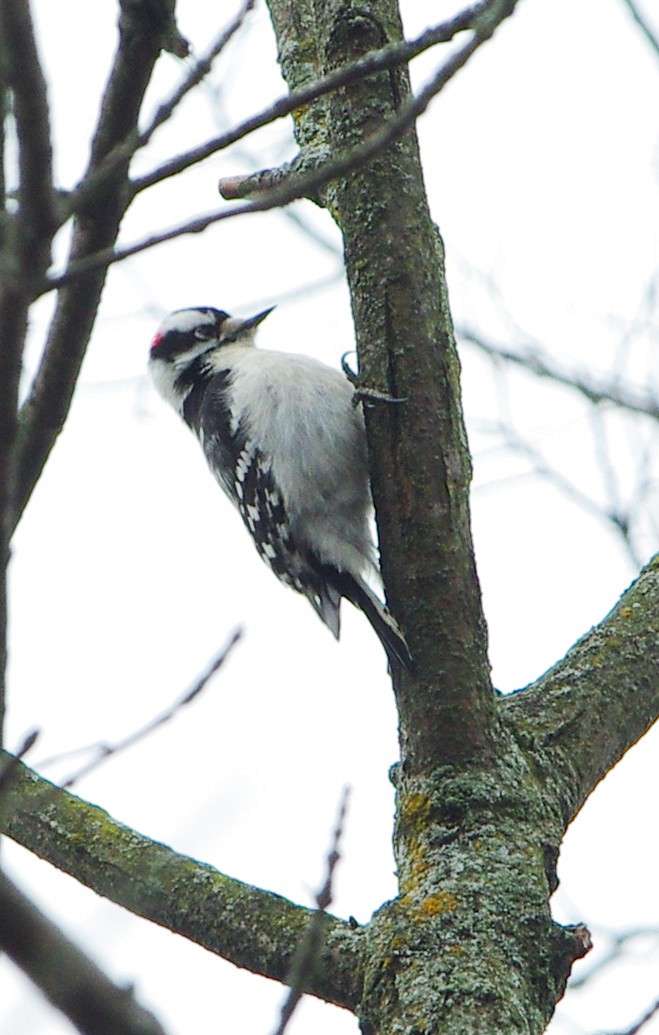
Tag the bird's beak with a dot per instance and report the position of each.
(233, 328)
(253, 321)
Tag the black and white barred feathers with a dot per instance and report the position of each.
(284, 440)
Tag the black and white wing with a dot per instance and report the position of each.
(245, 474)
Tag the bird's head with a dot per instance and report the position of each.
(185, 342)
(188, 333)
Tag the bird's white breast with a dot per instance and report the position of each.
(301, 414)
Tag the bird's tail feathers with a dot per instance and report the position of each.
(359, 593)
(327, 604)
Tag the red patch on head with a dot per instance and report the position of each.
(156, 341)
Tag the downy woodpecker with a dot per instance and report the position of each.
(283, 438)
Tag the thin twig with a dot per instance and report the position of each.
(304, 184)
(618, 943)
(308, 952)
(643, 25)
(105, 751)
(634, 1030)
(197, 73)
(126, 149)
(142, 30)
(542, 468)
(388, 57)
(541, 366)
(9, 762)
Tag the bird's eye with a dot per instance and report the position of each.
(205, 333)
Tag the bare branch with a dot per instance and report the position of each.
(65, 975)
(417, 450)
(11, 760)
(124, 151)
(245, 925)
(307, 956)
(35, 219)
(388, 57)
(619, 943)
(142, 30)
(634, 1030)
(302, 184)
(611, 512)
(583, 714)
(105, 751)
(4, 111)
(541, 365)
(26, 242)
(197, 74)
(643, 25)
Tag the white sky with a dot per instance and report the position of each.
(130, 568)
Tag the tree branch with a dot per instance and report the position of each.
(35, 221)
(543, 366)
(610, 511)
(643, 25)
(102, 751)
(143, 29)
(638, 1027)
(25, 250)
(249, 927)
(297, 184)
(65, 975)
(418, 451)
(308, 953)
(124, 151)
(582, 715)
(613, 946)
(383, 59)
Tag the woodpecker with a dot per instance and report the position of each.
(282, 436)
